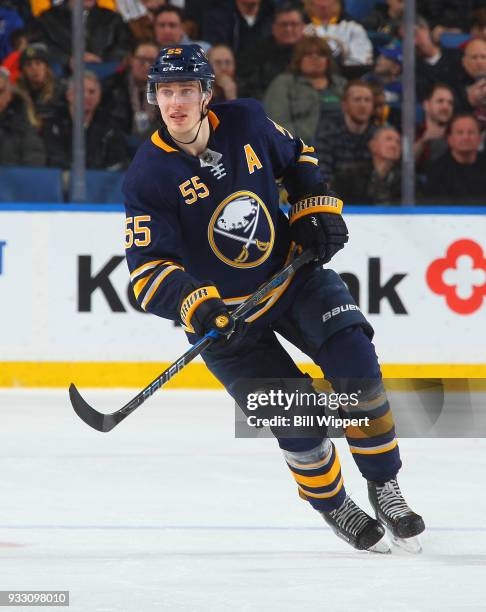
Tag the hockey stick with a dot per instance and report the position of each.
(106, 422)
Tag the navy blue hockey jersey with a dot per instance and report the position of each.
(214, 217)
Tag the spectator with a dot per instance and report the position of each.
(19, 41)
(153, 6)
(194, 14)
(470, 87)
(378, 180)
(387, 73)
(38, 83)
(431, 139)
(107, 37)
(223, 62)
(105, 145)
(125, 96)
(347, 38)
(478, 24)
(344, 141)
(458, 175)
(259, 66)
(19, 143)
(136, 15)
(169, 29)
(448, 15)
(433, 64)
(239, 24)
(309, 91)
(385, 18)
(10, 21)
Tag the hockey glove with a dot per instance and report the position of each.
(202, 309)
(316, 223)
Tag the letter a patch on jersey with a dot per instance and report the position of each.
(252, 159)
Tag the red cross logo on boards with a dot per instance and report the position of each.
(460, 276)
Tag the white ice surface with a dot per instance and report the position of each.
(170, 512)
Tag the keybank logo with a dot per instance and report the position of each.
(460, 276)
(381, 289)
(3, 244)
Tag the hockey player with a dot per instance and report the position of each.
(202, 203)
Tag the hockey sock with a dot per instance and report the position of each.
(317, 472)
(350, 364)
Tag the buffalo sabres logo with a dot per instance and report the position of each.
(241, 231)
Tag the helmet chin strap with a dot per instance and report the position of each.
(204, 114)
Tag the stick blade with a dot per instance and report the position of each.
(93, 418)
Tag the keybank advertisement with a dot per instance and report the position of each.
(420, 279)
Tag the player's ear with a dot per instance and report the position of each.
(207, 96)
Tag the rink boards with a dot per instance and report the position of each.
(66, 312)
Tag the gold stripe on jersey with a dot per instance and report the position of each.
(158, 142)
(156, 283)
(213, 120)
(276, 293)
(306, 148)
(139, 285)
(308, 159)
(279, 292)
(143, 268)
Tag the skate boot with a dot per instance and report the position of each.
(353, 525)
(391, 509)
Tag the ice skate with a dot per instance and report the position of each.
(353, 525)
(402, 524)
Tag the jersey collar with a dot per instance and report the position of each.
(158, 142)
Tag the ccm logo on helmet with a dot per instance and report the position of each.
(172, 68)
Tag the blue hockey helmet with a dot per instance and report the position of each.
(179, 63)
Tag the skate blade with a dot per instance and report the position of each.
(410, 545)
(380, 547)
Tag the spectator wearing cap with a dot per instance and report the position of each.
(343, 141)
(105, 144)
(377, 180)
(347, 38)
(223, 62)
(125, 96)
(458, 176)
(38, 82)
(20, 144)
(239, 24)
(169, 28)
(431, 136)
(433, 63)
(385, 18)
(107, 37)
(309, 91)
(260, 65)
(387, 72)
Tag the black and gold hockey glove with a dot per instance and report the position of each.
(316, 223)
(202, 309)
